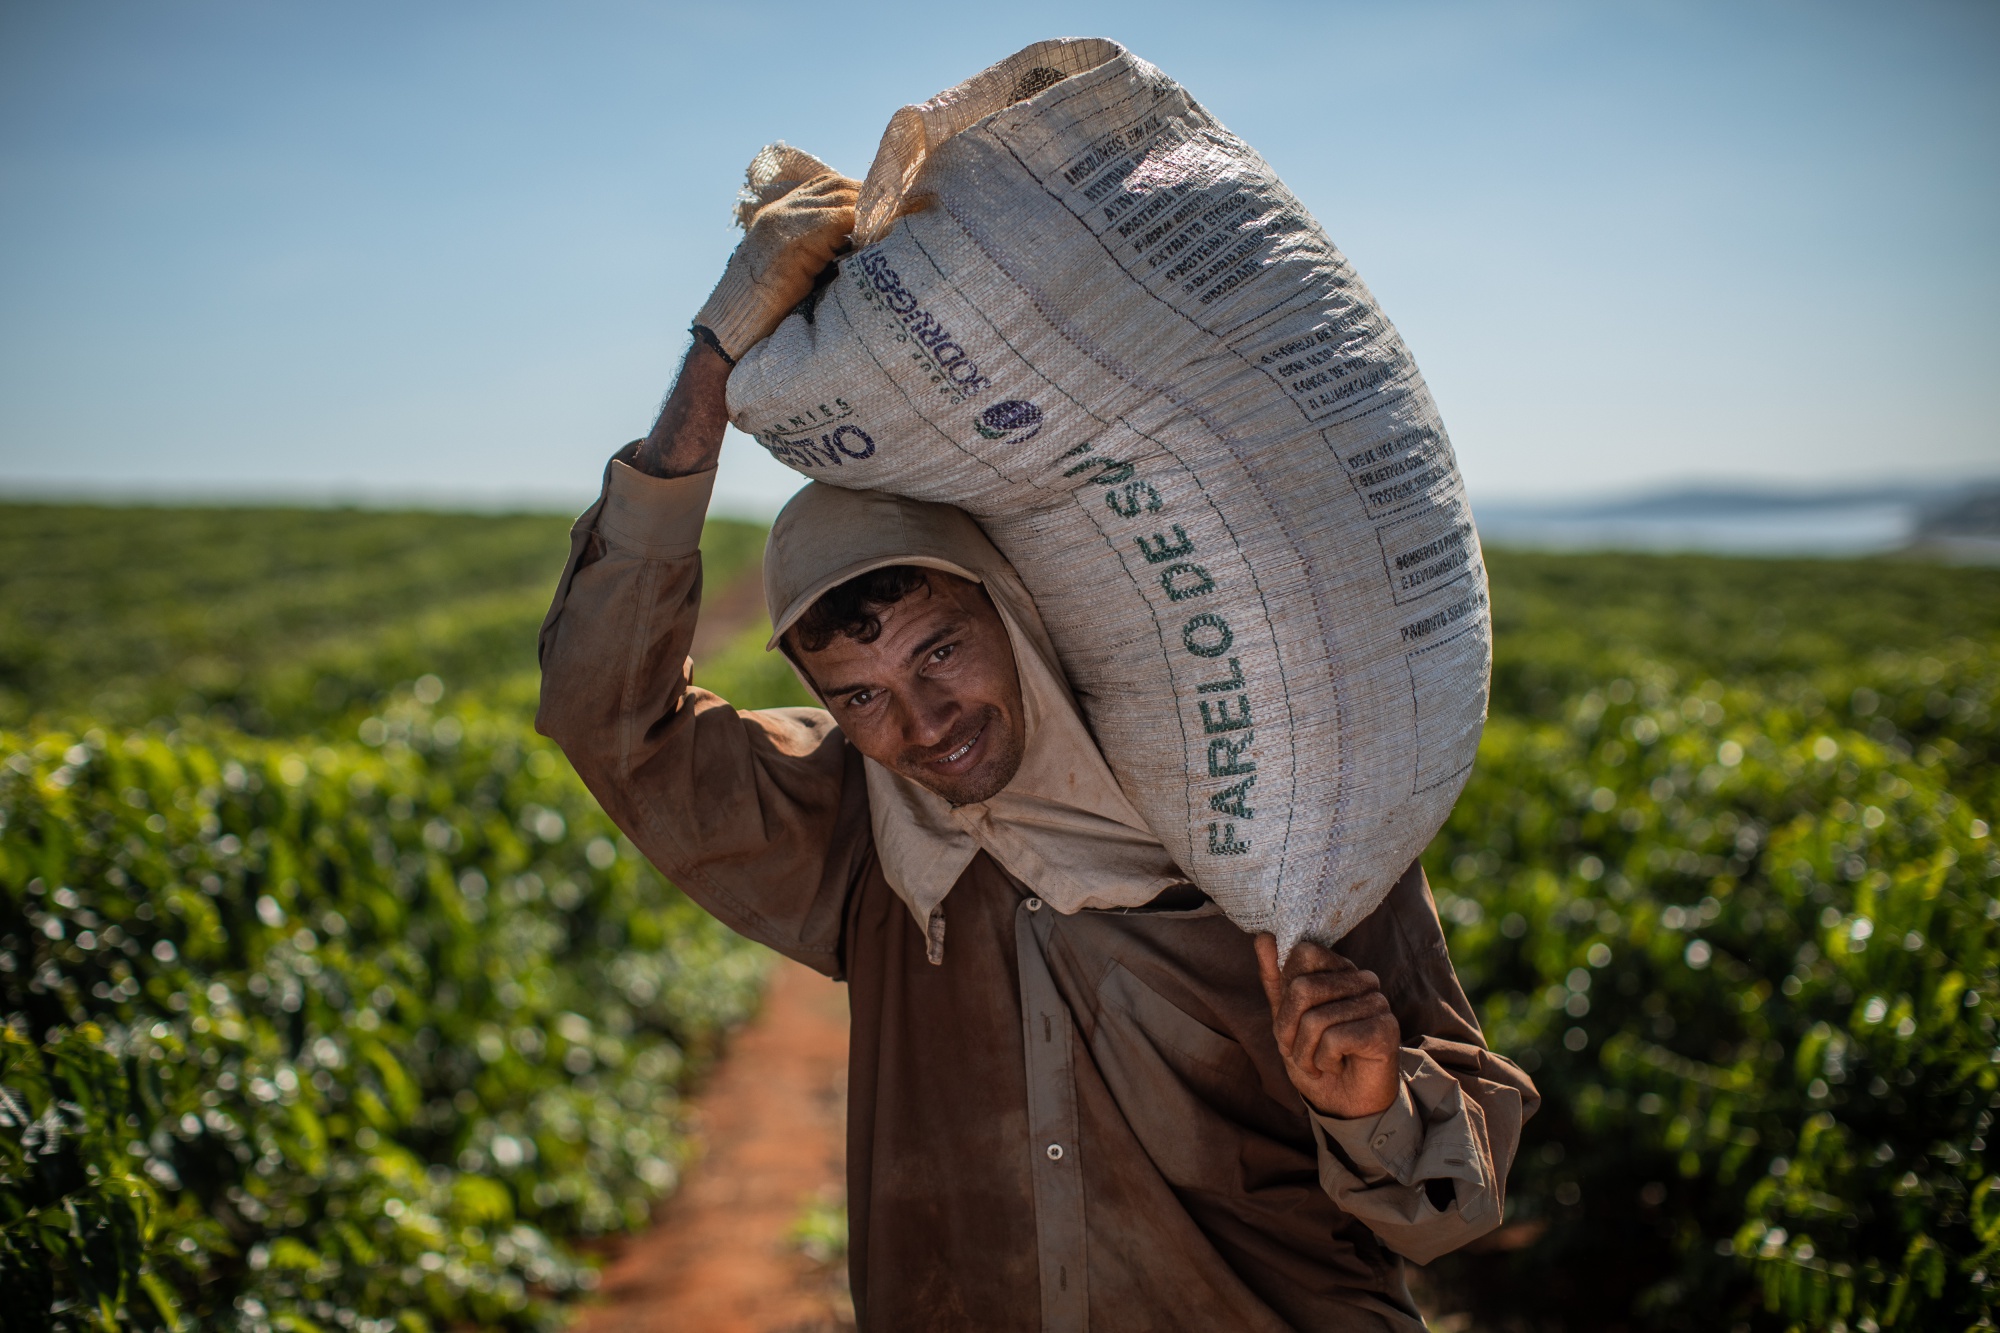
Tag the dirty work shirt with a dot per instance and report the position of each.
(1071, 1122)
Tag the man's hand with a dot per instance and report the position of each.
(789, 242)
(1334, 1028)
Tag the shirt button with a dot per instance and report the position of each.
(1035, 905)
(1381, 1140)
(1055, 1152)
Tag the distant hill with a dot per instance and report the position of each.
(1709, 500)
(1936, 517)
(1965, 528)
(1976, 515)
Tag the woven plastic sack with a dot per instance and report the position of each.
(1085, 313)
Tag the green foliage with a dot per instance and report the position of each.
(377, 1021)
(748, 676)
(334, 1035)
(1565, 623)
(361, 1029)
(79, 1224)
(819, 1232)
(1745, 938)
(275, 621)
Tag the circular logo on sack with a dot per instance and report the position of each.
(1013, 421)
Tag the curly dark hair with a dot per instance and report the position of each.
(854, 608)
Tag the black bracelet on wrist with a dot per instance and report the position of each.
(706, 336)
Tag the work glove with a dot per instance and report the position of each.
(797, 214)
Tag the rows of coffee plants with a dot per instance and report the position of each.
(273, 621)
(330, 1007)
(1746, 937)
(323, 1005)
(335, 1036)
(341, 1036)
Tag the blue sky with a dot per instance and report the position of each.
(450, 250)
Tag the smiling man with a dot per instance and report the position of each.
(917, 665)
(1098, 1105)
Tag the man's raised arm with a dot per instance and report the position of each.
(760, 817)
(687, 438)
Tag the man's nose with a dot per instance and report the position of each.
(929, 714)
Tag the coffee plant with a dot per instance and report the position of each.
(346, 1035)
(326, 1007)
(1748, 943)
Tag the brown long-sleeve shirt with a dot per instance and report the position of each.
(1074, 1122)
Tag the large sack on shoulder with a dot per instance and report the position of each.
(1085, 313)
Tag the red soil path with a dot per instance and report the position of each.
(770, 1127)
(770, 1136)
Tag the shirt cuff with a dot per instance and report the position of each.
(1384, 1146)
(657, 517)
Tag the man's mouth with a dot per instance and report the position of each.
(957, 756)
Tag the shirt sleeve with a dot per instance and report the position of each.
(1429, 1173)
(759, 816)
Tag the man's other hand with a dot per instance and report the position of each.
(790, 241)
(1334, 1028)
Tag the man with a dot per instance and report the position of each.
(1079, 1097)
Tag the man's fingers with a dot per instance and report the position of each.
(1323, 1007)
(1333, 1032)
(1308, 958)
(827, 182)
(1373, 1039)
(1304, 993)
(821, 204)
(833, 180)
(838, 203)
(823, 191)
(1323, 987)
(1354, 1009)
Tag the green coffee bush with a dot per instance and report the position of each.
(332, 1035)
(274, 621)
(1751, 954)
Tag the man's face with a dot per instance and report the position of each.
(935, 697)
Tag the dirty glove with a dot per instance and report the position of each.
(797, 213)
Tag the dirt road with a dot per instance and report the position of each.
(770, 1124)
(769, 1129)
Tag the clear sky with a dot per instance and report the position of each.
(450, 249)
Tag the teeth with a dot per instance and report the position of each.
(960, 752)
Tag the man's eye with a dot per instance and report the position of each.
(859, 698)
(944, 652)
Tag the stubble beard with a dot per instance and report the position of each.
(1002, 761)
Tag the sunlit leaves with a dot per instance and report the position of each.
(332, 1034)
(1754, 967)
